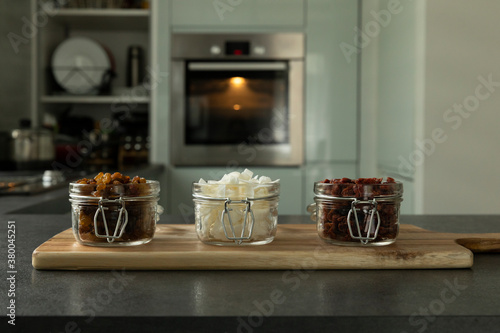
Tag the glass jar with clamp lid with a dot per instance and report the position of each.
(361, 212)
(118, 215)
(236, 214)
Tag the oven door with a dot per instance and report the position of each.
(237, 113)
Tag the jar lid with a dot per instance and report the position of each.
(358, 191)
(112, 191)
(236, 191)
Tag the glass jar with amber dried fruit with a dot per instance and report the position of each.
(114, 210)
(363, 211)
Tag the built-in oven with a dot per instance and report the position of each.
(237, 99)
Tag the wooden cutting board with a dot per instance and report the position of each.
(296, 246)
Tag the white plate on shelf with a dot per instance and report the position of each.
(79, 65)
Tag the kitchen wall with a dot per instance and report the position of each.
(436, 114)
(462, 55)
(14, 66)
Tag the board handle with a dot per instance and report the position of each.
(480, 245)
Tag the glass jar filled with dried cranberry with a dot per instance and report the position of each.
(360, 212)
(114, 210)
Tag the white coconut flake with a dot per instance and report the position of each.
(226, 184)
(264, 179)
(246, 175)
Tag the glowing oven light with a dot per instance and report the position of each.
(236, 107)
(237, 81)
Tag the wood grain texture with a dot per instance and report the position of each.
(176, 247)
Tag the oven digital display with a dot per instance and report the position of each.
(237, 48)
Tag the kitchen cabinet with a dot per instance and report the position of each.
(392, 88)
(195, 14)
(115, 30)
(331, 94)
(331, 82)
(397, 60)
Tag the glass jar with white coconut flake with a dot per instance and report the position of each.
(239, 209)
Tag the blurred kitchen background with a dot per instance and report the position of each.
(408, 89)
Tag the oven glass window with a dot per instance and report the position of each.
(233, 106)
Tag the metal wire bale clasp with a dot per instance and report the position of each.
(248, 210)
(369, 228)
(121, 222)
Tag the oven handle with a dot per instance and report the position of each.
(246, 66)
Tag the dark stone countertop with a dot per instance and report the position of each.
(453, 300)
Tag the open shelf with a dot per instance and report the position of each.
(114, 29)
(109, 19)
(101, 99)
